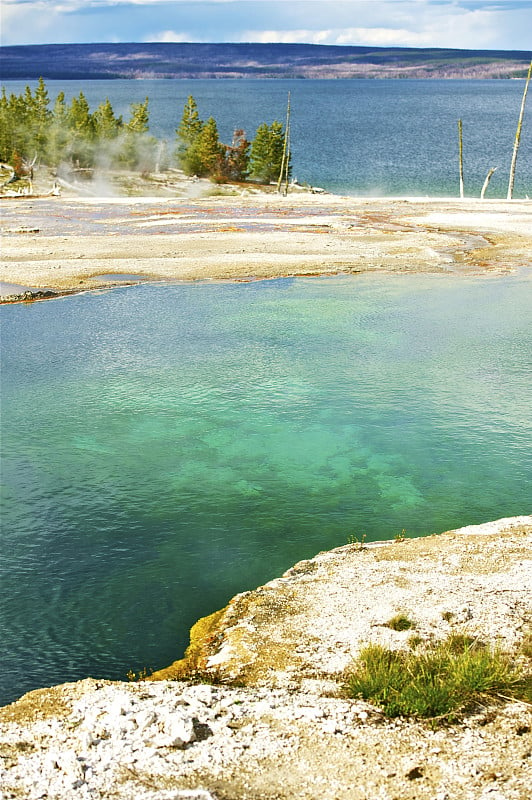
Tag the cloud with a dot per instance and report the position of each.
(169, 36)
(476, 28)
(379, 37)
(503, 24)
(303, 35)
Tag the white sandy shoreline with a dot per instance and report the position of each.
(64, 244)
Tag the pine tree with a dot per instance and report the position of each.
(81, 127)
(79, 116)
(139, 149)
(41, 119)
(187, 134)
(60, 111)
(58, 135)
(139, 120)
(20, 111)
(6, 147)
(260, 153)
(267, 152)
(106, 125)
(207, 152)
(191, 125)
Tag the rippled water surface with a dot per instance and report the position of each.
(167, 446)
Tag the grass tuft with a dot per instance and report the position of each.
(441, 682)
(526, 645)
(400, 623)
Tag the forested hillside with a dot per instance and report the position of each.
(187, 60)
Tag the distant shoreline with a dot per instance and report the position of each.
(186, 60)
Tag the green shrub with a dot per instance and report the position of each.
(440, 682)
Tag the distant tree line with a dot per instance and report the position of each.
(30, 131)
(33, 132)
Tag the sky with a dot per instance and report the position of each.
(478, 24)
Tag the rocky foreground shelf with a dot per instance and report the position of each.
(278, 726)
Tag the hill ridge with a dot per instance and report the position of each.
(253, 60)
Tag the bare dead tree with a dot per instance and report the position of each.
(461, 159)
(486, 182)
(285, 161)
(8, 168)
(518, 137)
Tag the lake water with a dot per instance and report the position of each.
(167, 446)
(379, 137)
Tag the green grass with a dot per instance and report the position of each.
(526, 645)
(440, 682)
(400, 623)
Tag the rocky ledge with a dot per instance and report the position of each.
(274, 723)
(28, 296)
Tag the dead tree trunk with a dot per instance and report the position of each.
(518, 137)
(285, 161)
(486, 182)
(461, 159)
(8, 168)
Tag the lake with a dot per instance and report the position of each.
(167, 446)
(360, 137)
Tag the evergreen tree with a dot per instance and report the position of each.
(79, 117)
(81, 126)
(6, 147)
(267, 152)
(58, 134)
(190, 161)
(28, 109)
(38, 120)
(25, 123)
(14, 136)
(139, 149)
(207, 153)
(139, 120)
(191, 125)
(60, 112)
(106, 125)
(19, 112)
(188, 133)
